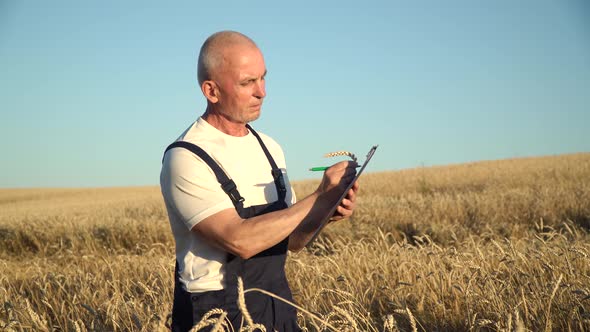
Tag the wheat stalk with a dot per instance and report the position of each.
(291, 304)
(412, 320)
(406, 312)
(220, 323)
(548, 321)
(341, 153)
(347, 316)
(206, 320)
(242, 302)
(39, 321)
(518, 324)
(579, 251)
(484, 322)
(251, 326)
(389, 324)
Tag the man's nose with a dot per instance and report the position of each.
(260, 89)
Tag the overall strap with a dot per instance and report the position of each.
(276, 172)
(228, 185)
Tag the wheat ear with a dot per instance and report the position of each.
(251, 326)
(341, 153)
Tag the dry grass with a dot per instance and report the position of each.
(490, 246)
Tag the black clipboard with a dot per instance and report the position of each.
(358, 174)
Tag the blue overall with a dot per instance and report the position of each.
(266, 270)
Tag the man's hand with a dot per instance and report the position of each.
(348, 204)
(336, 179)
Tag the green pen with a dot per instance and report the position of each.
(316, 169)
(323, 168)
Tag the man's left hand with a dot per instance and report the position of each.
(348, 204)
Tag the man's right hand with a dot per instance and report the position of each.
(336, 179)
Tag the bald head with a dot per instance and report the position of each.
(214, 52)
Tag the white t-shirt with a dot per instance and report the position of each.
(191, 193)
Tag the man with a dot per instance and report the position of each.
(232, 210)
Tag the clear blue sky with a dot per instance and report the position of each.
(91, 92)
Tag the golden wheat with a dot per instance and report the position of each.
(498, 245)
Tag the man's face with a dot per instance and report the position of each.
(240, 79)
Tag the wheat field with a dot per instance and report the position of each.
(487, 246)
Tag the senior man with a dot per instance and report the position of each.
(231, 208)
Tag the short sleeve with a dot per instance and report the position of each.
(190, 188)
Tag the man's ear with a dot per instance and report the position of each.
(210, 91)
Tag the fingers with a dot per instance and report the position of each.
(343, 212)
(352, 193)
(337, 178)
(347, 206)
(336, 217)
(345, 209)
(346, 168)
(355, 187)
(340, 174)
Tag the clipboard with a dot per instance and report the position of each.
(358, 174)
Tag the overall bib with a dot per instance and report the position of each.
(266, 270)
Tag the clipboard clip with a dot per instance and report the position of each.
(372, 151)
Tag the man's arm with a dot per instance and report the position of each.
(247, 237)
